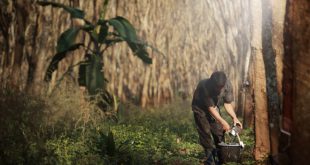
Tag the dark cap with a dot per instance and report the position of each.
(218, 78)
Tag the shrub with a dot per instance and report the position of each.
(46, 130)
(62, 130)
(22, 138)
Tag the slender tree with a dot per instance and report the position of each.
(262, 141)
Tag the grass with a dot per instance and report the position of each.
(64, 129)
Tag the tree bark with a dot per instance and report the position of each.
(249, 103)
(28, 41)
(269, 57)
(41, 47)
(297, 79)
(278, 15)
(262, 141)
(196, 37)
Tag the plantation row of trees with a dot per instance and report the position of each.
(279, 80)
(194, 38)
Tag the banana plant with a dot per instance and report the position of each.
(103, 34)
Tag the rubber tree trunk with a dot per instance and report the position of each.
(28, 39)
(278, 15)
(262, 141)
(196, 37)
(297, 79)
(14, 20)
(248, 98)
(271, 76)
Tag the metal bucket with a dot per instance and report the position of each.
(229, 152)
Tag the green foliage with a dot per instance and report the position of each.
(20, 133)
(127, 32)
(67, 150)
(44, 130)
(103, 33)
(246, 136)
(164, 135)
(111, 152)
(90, 73)
(124, 31)
(66, 40)
(60, 130)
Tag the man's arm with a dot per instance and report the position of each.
(218, 118)
(230, 110)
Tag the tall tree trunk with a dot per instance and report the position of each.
(278, 15)
(271, 76)
(248, 100)
(197, 37)
(297, 78)
(28, 36)
(262, 142)
(21, 17)
(42, 48)
(212, 35)
(5, 23)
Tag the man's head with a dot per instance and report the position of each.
(218, 79)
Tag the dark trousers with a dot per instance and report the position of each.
(210, 134)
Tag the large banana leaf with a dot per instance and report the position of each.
(65, 44)
(56, 59)
(103, 33)
(74, 12)
(66, 40)
(128, 33)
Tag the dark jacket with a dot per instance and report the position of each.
(205, 95)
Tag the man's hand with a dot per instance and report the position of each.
(225, 125)
(237, 122)
(230, 110)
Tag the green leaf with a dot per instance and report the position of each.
(82, 75)
(140, 50)
(88, 27)
(124, 28)
(103, 33)
(66, 40)
(57, 58)
(128, 33)
(118, 26)
(94, 35)
(113, 41)
(74, 12)
(124, 145)
(111, 149)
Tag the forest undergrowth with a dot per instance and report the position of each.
(66, 129)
